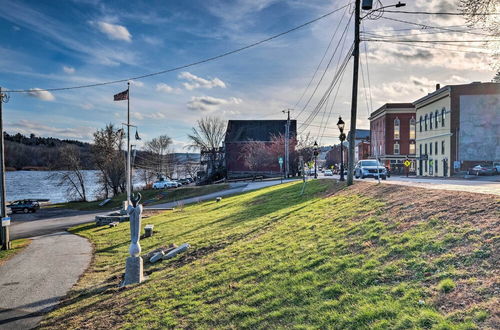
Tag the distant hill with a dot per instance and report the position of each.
(34, 152)
(42, 153)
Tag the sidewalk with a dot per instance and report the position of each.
(34, 280)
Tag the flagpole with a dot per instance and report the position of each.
(128, 146)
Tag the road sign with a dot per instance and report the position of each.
(5, 221)
(407, 163)
(280, 160)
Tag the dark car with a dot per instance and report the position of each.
(24, 206)
(483, 170)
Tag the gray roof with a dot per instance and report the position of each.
(361, 134)
(257, 130)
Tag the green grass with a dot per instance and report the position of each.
(156, 196)
(17, 246)
(332, 258)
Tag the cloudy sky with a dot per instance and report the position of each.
(52, 44)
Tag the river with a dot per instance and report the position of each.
(39, 184)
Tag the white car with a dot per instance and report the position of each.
(166, 184)
(328, 173)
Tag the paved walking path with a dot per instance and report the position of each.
(34, 280)
(238, 188)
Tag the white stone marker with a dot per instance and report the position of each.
(134, 264)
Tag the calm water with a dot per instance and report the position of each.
(37, 184)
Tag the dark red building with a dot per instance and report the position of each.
(393, 134)
(240, 133)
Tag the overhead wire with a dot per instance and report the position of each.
(437, 13)
(322, 59)
(326, 69)
(185, 66)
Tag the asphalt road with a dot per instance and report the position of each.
(482, 185)
(47, 221)
(34, 280)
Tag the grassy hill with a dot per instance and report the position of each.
(368, 256)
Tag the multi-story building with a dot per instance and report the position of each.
(393, 135)
(458, 127)
(362, 135)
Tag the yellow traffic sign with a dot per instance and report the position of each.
(407, 163)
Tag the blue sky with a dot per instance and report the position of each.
(48, 44)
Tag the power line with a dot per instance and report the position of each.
(438, 13)
(186, 65)
(425, 26)
(430, 41)
(442, 49)
(322, 59)
(326, 69)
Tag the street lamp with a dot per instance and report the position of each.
(315, 150)
(341, 125)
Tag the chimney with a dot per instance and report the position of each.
(438, 86)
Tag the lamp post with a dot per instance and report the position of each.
(341, 125)
(315, 151)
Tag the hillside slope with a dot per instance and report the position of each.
(368, 256)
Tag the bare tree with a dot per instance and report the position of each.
(479, 13)
(208, 137)
(110, 159)
(157, 157)
(192, 169)
(256, 155)
(71, 175)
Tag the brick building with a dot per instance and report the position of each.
(393, 135)
(241, 132)
(458, 127)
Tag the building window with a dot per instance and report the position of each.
(396, 129)
(412, 129)
(442, 147)
(425, 122)
(443, 115)
(436, 147)
(425, 165)
(430, 121)
(435, 166)
(412, 148)
(426, 149)
(436, 119)
(430, 148)
(420, 123)
(420, 149)
(396, 148)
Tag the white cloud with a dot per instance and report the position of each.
(209, 103)
(68, 69)
(41, 94)
(114, 31)
(137, 83)
(25, 126)
(142, 116)
(198, 82)
(161, 87)
(87, 106)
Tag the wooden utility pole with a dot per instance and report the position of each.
(354, 102)
(4, 230)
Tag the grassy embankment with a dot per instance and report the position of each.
(151, 195)
(369, 256)
(17, 246)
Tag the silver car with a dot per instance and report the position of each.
(370, 168)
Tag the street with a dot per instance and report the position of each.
(477, 185)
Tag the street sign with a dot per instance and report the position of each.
(280, 160)
(5, 221)
(407, 163)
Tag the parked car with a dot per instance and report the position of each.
(166, 184)
(183, 181)
(24, 206)
(483, 170)
(497, 166)
(370, 168)
(328, 173)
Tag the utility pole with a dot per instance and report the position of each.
(354, 102)
(4, 230)
(287, 143)
(129, 175)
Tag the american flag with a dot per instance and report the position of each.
(121, 96)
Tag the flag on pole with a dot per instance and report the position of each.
(121, 96)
